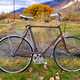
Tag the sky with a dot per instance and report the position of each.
(7, 5)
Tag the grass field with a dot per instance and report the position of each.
(37, 70)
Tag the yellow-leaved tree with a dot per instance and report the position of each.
(38, 11)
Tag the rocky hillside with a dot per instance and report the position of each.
(72, 12)
(72, 8)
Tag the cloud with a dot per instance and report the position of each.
(8, 8)
(32, 1)
(7, 5)
(43, 0)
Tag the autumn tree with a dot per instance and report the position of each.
(38, 11)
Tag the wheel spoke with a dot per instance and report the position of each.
(10, 46)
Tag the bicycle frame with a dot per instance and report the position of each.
(60, 36)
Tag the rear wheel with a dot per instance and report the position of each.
(10, 61)
(68, 60)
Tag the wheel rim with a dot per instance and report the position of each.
(68, 61)
(22, 58)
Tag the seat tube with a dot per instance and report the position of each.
(33, 39)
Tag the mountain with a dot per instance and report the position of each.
(19, 11)
(57, 3)
(72, 6)
(71, 11)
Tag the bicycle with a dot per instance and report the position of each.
(18, 52)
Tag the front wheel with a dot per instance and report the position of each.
(68, 60)
(10, 61)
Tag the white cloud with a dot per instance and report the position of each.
(32, 1)
(8, 8)
(43, 0)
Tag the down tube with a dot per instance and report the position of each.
(52, 43)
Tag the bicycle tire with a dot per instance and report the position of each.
(22, 58)
(68, 60)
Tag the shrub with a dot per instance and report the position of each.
(38, 11)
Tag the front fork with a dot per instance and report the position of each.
(63, 40)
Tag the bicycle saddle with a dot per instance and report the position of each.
(26, 17)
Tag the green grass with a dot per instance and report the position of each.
(71, 28)
(38, 70)
(34, 75)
